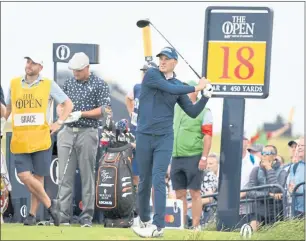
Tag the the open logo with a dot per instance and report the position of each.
(17, 178)
(54, 171)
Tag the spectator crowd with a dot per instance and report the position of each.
(260, 205)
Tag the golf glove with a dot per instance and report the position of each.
(73, 117)
(208, 91)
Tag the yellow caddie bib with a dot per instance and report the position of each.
(31, 132)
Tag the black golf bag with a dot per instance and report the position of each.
(115, 193)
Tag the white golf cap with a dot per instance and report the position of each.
(35, 58)
(78, 61)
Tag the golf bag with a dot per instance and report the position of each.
(115, 194)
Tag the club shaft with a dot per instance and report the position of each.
(176, 51)
(66, 166)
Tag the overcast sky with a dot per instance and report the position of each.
(28, 27)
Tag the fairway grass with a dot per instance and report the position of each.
(20, 232)
(290, 230)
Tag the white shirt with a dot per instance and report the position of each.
(246, 169)
(170, 76)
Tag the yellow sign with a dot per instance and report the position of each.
(147, 42)
(236, 62)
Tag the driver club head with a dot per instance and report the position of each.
(143, 23)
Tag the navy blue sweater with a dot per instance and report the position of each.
(157, 100)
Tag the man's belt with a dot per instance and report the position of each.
(79, 129)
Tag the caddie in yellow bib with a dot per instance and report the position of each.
(29, 103)
(31, 132)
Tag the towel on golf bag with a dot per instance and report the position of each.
(115, 193)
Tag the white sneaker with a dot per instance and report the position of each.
(138, 223)
(151, 231)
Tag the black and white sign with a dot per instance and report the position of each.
(54, 169)
(63, 52)
(107, 184)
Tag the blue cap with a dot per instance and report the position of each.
(169, 52)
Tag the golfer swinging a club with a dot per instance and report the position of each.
(160, 91)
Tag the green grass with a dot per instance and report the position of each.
(290, 230)
(18, 232)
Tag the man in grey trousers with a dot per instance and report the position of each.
(91, 97)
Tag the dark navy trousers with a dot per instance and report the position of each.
(153, 154)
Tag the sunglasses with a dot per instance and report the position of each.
(268, 153)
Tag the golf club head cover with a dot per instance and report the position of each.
(104, 141)
(122, 126)
(107, 113)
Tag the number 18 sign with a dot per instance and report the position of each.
(237, 50)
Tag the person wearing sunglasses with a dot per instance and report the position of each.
(269, 172)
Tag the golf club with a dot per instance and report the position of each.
(145, 22)
(56, 201)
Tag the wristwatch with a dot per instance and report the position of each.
(203, 158)
(60, 122)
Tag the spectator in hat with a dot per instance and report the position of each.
(292, 148)
(297, 176)
(287, 167)
(292, 155)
